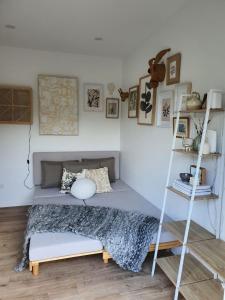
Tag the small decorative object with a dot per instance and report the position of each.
(194, 102)
(199, 130)
(111, 88)
(212, 139)
(206, 147)
(156, 69)
(58, 105)
(133, 101)
(202, 173)
(146, 102)
(187, 144)
(185, 177)
(123, 95)
(83, 188)
(183, 127)
(173, 69)
(182, 89)
(164, 108)
(93, 97)
(112, 108)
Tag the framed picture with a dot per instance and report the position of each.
(93, 97)
(146, 102)
(58, 105)
(173, 69)
(133, 101)
(112, 108)
(165, 108)
(183, 127)
(180, 89)
(202, 173)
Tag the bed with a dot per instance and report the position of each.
(46, 247)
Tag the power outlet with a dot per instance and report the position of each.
(2, 186)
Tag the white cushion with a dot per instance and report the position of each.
(83, 188)
(51, 245)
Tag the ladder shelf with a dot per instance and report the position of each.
(191, 235)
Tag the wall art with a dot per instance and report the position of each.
(93, 97)
(112, 108)
(133, 101)
(173, 69)
(165, 99)
(58, 105)
(146, 102)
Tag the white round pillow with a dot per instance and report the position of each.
(83, 188)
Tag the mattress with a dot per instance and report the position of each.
(48, 245)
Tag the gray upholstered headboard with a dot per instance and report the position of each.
(62, 156)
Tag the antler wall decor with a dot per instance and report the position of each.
(156, 69)
(123, 95)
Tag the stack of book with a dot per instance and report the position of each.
(186, 188)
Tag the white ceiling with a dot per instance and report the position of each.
(72, 25)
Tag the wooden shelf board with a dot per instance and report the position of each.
(205, 197)
(205, 290)
(193, 271)
(201, 110)
(212, 252)
(192, 152)
(196, 232)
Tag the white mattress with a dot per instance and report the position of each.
(49, 245)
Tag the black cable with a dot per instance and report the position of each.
(84, 203)
(28, 162)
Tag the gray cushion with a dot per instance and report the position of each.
(78, 167)
(108, 162)
(51, 173)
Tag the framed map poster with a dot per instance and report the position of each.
(58, 105)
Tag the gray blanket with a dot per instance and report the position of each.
(125, 235)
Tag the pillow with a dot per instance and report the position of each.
(108, 162)
(101, 178)
(51, 173)
(78, 167)
(83, 188)
(68, 178)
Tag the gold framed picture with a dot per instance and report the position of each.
(133, 101)
(173, 69)
(183, 127)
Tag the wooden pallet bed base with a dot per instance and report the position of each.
(34, 265)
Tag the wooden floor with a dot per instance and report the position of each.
(84, 278)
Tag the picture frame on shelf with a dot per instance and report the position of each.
(133, 101)
(183, 127)
(165, 99)
(180, 89)
(93, 97)
(146, 102)
(173, 69)
(202, 173)
(112, 108)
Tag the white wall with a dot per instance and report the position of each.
(21, 67)
(198, 33)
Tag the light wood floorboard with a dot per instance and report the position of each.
(83, 278)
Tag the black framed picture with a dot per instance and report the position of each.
(112, 108)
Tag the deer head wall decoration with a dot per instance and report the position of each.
(123, 95)
(156, 69)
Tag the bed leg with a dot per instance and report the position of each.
(105, 257)
(35, 269)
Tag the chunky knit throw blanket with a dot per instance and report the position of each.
(125, 235)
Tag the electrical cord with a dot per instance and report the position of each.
(28, 162)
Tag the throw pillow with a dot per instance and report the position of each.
(83, 188)
(68, 178)
(108, 162)
(100, 177)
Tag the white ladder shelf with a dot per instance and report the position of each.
(175, 268)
